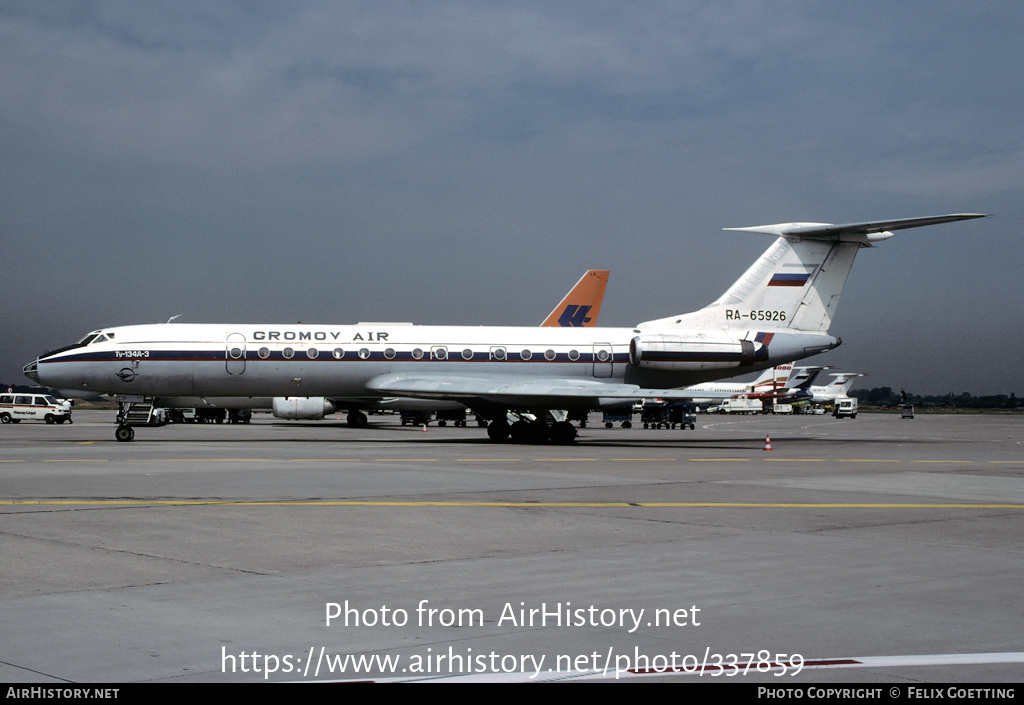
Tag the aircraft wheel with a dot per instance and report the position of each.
(124, 433)
(498, 431)
(520, 432)
(538, 432)
(357, 419)
(562, 433)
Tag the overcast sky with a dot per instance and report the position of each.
(465, 162)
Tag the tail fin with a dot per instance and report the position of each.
(774, 379)
(803, 377)
(582, 304)
(842, 382)
(797, 282)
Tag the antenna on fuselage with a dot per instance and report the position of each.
(173, 317)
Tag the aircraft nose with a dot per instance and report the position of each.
(31, 370)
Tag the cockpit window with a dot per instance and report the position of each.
(89, 338)
(100, 339)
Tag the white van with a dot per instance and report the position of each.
(33, 407)
(845, 407)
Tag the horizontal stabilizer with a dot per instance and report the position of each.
(854, 232)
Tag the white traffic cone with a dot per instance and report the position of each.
(767, 442)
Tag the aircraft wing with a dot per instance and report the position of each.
(515, 392)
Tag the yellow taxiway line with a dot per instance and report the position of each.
(531, 505)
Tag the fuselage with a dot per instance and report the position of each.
(341, 361)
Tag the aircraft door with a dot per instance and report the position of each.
(234, 353)
(603, 359)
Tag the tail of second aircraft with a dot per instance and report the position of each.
(840, 386)
(797, 282)
(581, 306)
(774, 379)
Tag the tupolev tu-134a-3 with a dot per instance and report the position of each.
(778, 311)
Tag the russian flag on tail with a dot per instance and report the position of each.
(784, 279)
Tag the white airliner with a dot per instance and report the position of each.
(778, 311)
(836, 389)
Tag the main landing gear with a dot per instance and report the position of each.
(534, 432)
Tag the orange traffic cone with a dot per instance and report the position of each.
(767, 442)
(424, 428)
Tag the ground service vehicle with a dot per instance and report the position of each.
(846, 407)
(33, 407)
(739, 405)
(682, 414)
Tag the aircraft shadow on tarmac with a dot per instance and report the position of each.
(590, 438)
